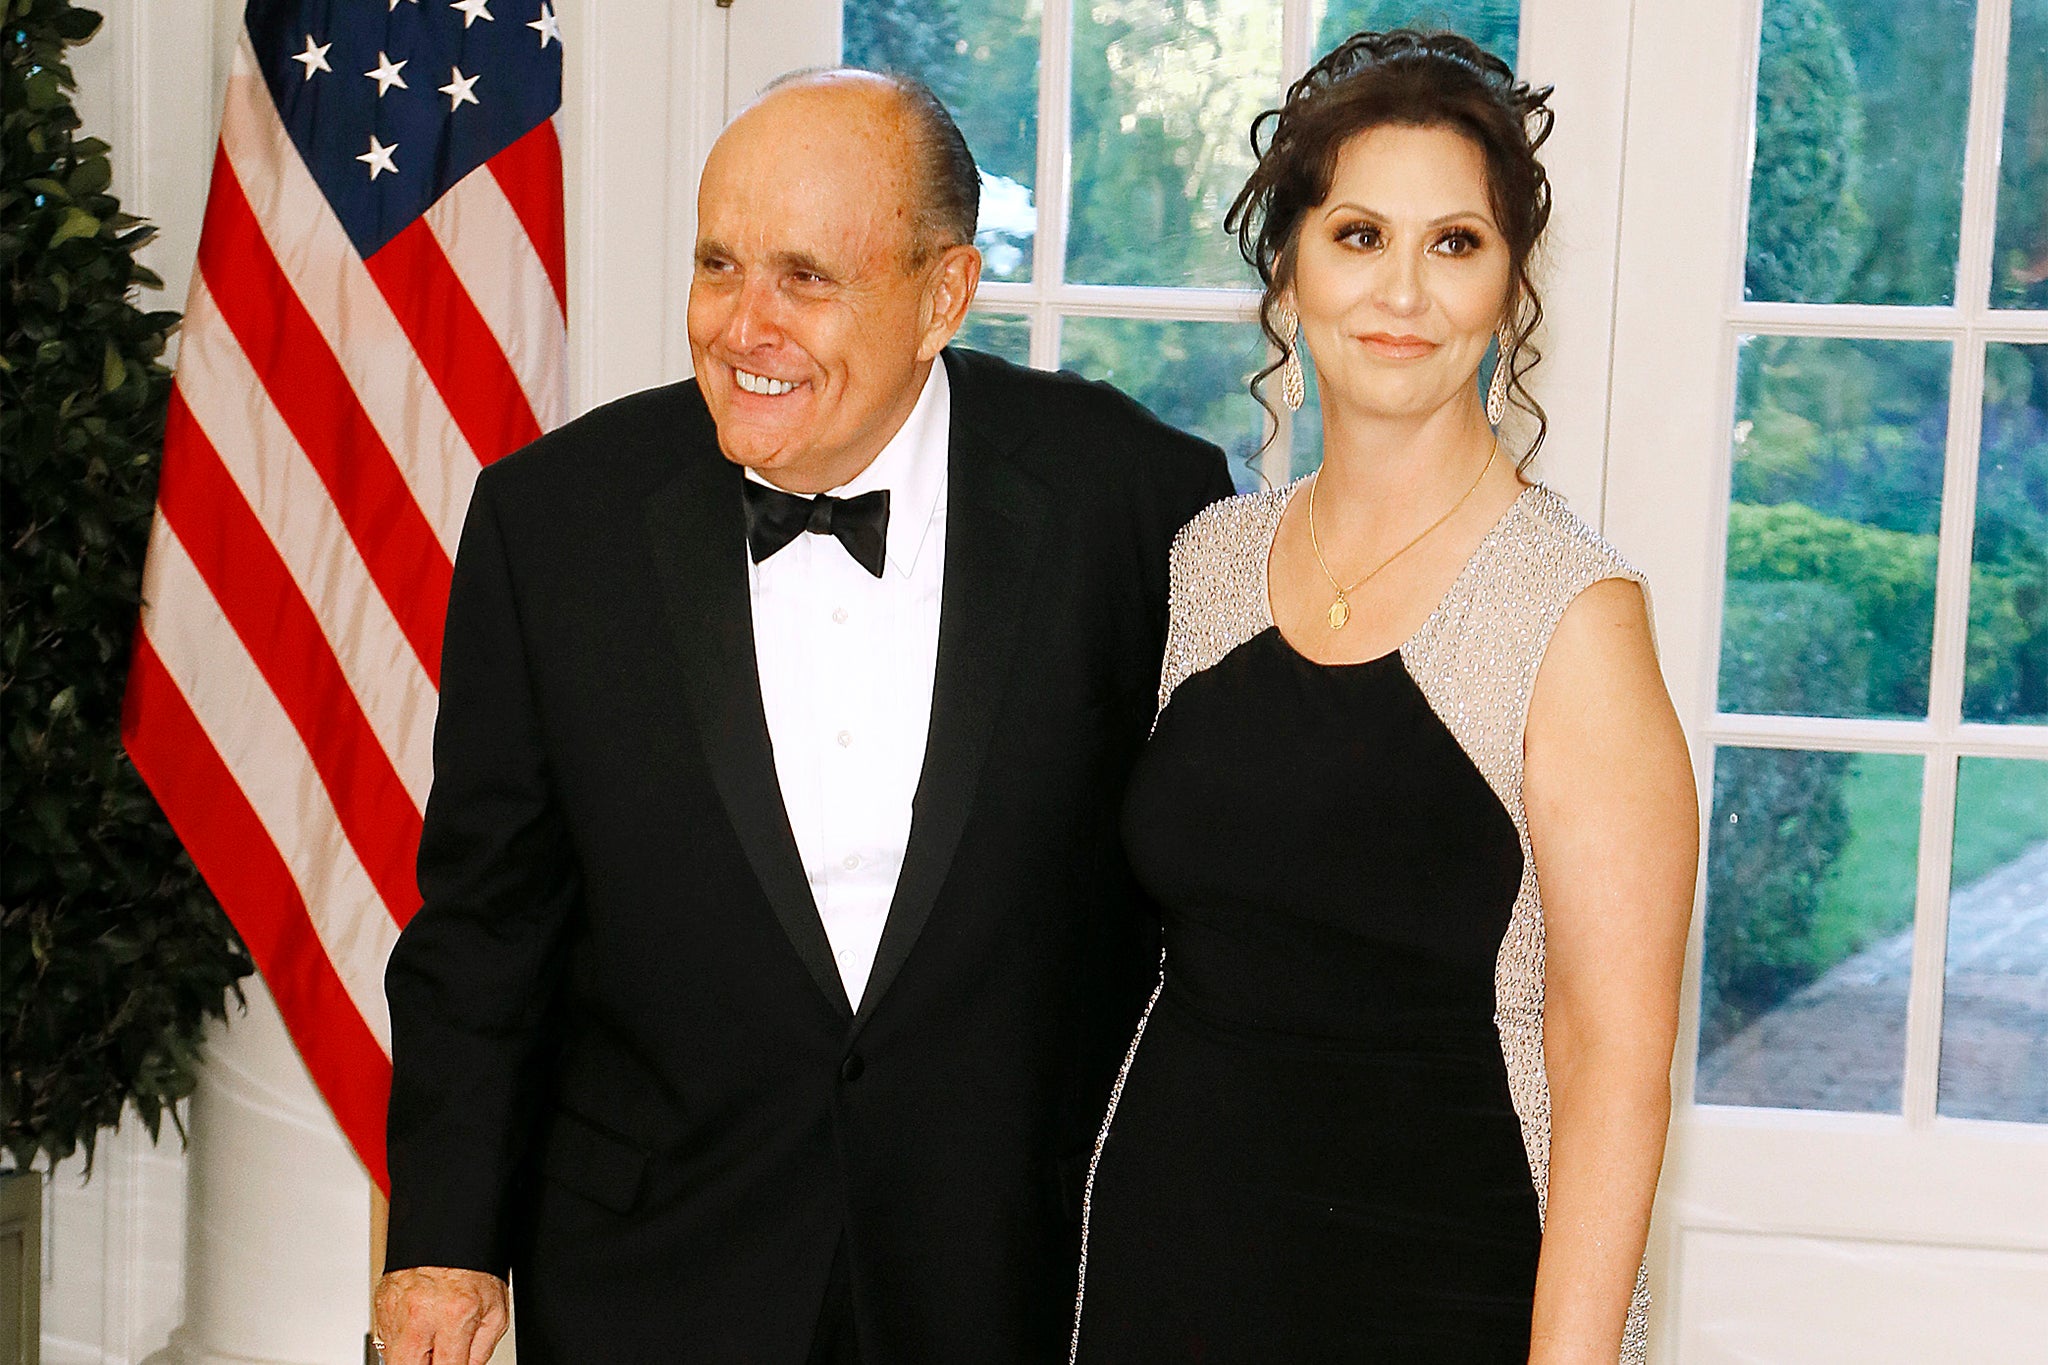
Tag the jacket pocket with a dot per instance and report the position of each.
(599, 1165)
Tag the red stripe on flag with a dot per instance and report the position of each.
(233, 851)
(313, 395)
(530, 173)
(235, 556)
(454, 343)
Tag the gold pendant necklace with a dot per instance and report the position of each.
(1340, 610)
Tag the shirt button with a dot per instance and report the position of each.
(845, 739)
(850, 861)
(839, 615)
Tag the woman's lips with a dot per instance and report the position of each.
(1393, 347)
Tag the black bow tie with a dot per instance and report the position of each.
(775, 518)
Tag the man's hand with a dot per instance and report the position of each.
(434, 1316)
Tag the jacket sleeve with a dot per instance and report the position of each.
(474, 974)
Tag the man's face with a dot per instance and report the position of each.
(810, 332)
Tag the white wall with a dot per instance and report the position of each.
(276, 1264)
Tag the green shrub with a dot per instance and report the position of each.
(1806, 226)
(1780, 824)
(112, 952)
(1880, 657)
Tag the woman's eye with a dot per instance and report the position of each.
(1459, 243)
(1360, 235)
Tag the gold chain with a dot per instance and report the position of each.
(1340, 610)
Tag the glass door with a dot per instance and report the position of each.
(1841, 346)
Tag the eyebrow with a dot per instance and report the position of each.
(782, 260)
(1480, 214)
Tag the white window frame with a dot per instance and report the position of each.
(1847, 1204)
(1942, 737)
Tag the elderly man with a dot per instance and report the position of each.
(777, 949)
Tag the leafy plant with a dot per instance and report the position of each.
(112, 952)
(1780, 824)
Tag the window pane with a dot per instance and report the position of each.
(1835, 513)
(2007, 671)
(2020, 275)
(981, 57)
(1493, 24)
(1164, 96)
(1809, 934)
(1191, 374)
(1003, 334)
(1994, 1016)
(1856, 188)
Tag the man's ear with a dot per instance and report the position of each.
(949, 288)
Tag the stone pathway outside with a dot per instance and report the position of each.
(1840, 1042)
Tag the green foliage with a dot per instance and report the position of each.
(1912, 60)
(2008, 658)
(1190, 374)
(2021, 269)
(1805, 224)
(914, 40)
(1856, 187)
(1825, 616)
(981, 58)
(1780, 823)
(1495, 25)
(112, 953)
(1853, 427)
(1165, 92)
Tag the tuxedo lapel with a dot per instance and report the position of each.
(698, 536)
(995, 515)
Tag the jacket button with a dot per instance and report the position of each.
(850, 1069)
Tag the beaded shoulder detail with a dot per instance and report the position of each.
(1217, 583)
(1476, 660)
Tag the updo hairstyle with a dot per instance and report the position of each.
(1412, 79)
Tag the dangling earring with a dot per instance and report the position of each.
(1497, 387)
(1293, 385)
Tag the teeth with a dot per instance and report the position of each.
(762, 384)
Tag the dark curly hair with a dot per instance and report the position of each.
(1413, 79)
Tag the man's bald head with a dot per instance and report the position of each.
(834, 262)
(944, 185)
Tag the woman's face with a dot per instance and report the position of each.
(1401, 275)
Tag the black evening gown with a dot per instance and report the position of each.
(1315, 1156)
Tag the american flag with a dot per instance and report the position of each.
(378, 311)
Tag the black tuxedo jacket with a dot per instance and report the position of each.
(625, 1070)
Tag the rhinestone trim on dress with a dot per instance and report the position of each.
(1475, 660)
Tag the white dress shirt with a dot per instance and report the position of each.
(846, 662)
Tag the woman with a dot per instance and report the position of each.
(1416, 806)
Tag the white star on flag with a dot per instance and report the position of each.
(548, 26)
(378, 158)
(458, 89)
(473, 10)
(386, 75)
(394, 4)
(314, 58)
